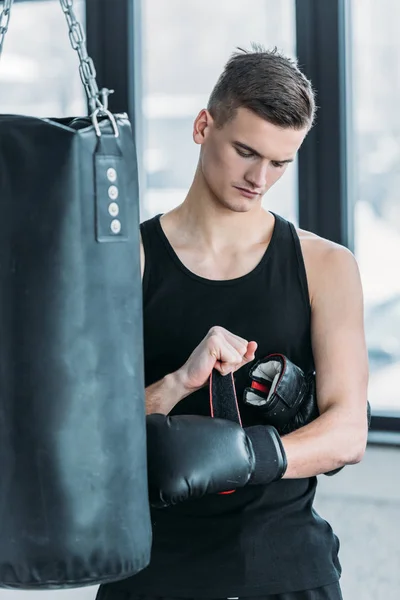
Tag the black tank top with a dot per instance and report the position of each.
(261, 539)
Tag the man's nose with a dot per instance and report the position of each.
(257, 176)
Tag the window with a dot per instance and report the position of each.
(40, 76)
(376, 163)
(185, 47)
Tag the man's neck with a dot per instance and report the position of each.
(203, 218)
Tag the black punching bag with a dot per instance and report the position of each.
(73, 474)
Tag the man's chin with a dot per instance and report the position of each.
(240, 206)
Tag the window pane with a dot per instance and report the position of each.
(185, 47)
(376, 163)
(39, 70)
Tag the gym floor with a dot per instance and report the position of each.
(362, 503)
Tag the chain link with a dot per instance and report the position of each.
(5, 15)
(87, 69)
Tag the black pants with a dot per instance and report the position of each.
(327, 592)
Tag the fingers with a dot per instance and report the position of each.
(222, 351)
(239, 343)
(251, 351)
(230, 350)
(229, 359)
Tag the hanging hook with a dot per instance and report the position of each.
(104, 94)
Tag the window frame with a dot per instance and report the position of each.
(325, 184)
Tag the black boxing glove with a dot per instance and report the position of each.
(284, 395)
(189, 456)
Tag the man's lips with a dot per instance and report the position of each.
(246, 192)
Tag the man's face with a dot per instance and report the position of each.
(241, 161)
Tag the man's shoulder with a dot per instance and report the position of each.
(325, 261)
(316, 248)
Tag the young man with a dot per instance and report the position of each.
(224, 282)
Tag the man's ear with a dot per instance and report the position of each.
(201, 126)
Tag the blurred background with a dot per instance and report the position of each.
(162, 58)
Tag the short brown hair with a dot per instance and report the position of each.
(266, 82)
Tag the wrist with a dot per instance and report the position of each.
(162, 396)
(176, 382)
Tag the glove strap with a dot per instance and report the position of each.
(223, 398)
(223, 401)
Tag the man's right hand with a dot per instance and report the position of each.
(221, 350)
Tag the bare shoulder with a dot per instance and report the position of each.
(327, 263)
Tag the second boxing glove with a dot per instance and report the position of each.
(190, 456)
(285, 396)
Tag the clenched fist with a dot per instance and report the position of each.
(221, 350)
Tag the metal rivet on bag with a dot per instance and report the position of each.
(111, 174)
(113, 209)
(115, 226)
(113, 192)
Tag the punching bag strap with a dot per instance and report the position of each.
(111, 197)
(111, 220)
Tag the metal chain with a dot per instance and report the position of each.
(87, 69)
(5, 15)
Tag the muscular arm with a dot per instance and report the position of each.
(338, 437)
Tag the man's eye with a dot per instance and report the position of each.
(244, 154)
(278, 165)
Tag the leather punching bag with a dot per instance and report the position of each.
(73, 474)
